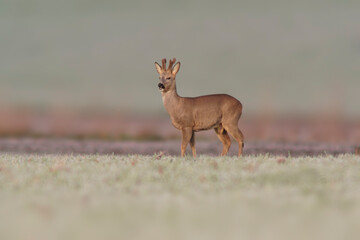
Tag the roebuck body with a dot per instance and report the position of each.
(191, 114)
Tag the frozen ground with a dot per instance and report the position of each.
(171, 147)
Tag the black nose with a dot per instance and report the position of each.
(161, 86)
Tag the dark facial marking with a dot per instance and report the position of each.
(161, 86)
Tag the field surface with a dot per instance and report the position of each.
(172, 147)
(165, 197)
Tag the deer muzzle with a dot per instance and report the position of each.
(161, 86)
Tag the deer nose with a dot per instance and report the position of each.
(161, 86)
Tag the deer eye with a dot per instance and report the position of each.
(168, 78)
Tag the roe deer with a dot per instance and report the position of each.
(192, 114)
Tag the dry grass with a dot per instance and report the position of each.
(165, 197)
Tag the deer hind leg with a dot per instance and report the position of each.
(192, 144)
(186, 136)
(237, 134)
(224, 138)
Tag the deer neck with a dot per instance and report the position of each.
(171, 101)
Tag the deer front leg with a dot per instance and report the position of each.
(192, 144)
(186, 136)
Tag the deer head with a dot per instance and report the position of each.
(167, 75)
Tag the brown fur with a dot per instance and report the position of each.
(191, 114)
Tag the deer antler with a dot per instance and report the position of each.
(163, 63)
(172, 61)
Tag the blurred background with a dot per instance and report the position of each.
(77, 68)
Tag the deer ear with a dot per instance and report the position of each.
(176, 68)
(158, 68)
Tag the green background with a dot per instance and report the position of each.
(277, 56)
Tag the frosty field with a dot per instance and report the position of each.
(167, 197)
